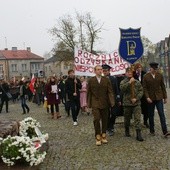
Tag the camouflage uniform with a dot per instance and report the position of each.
(128, 106)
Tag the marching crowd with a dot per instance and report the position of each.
(105, 96)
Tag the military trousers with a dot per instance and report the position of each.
(135, 112)
(100, 120)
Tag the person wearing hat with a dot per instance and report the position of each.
(132, 92)
(113, 111)
(156, 95)
(99, 98)
(139, 74)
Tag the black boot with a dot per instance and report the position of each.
(127, 134)
(138, 135)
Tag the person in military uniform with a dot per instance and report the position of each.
(113, 111)
(100, 98)
(156, 95)
(132, 93)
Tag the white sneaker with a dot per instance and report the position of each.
(75, 123)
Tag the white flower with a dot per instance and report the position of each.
(23, 144)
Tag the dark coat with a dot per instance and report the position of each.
(154, 88)
(100, 95)
(137, 76)
(144, 103)
(62, 87)
(52, 98)
(70, 89)
(3, 89)
(115, 88)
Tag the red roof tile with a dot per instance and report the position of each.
(19, 55)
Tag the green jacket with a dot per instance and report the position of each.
(126, 91)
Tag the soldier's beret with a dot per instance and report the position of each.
(154, 65)
(105, 66)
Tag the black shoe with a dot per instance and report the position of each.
(28, 110)
(111, 132)
(166, 134)
(138, 135)
(152, 133)
(127, 133)
(146, 125)
(23, 113)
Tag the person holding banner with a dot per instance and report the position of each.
(113, 111)
(100, 97)
(132, 92)
(72, 88)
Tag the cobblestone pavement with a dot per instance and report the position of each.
(73, 147)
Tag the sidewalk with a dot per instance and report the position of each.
(73, 147)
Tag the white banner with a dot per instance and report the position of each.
(85, 62)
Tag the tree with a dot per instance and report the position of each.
(82, 31)
(149, 51)
(149, 47)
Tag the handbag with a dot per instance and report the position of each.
(9, 95)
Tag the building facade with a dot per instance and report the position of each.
(162, 56)
(57, 66)
(16, 64)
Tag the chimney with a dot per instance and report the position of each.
(29, 49)
(6, 49)
(14, 48)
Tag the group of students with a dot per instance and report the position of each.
(139, 93)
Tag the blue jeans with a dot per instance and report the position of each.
(23, 104)
(160, 108)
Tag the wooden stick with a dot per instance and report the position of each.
(132, 86)
(75, 88)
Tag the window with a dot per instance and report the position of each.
(14, 67)
(1, 69)
(35, 66)
(24, 67)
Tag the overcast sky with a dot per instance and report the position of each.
(25, 23)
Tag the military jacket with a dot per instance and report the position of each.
(126, 90)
